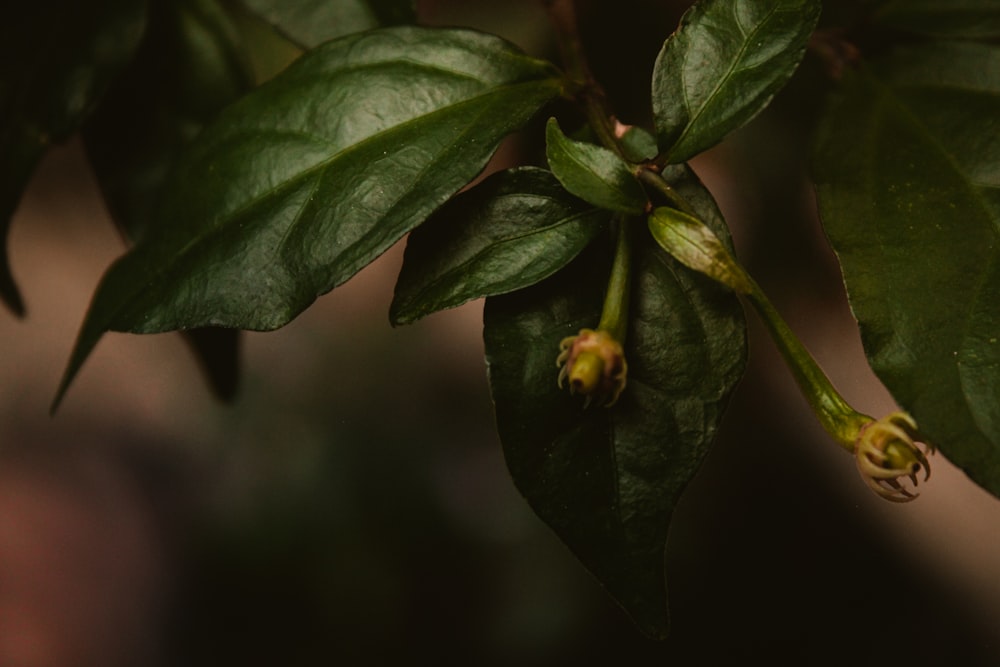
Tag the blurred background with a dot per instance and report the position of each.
(351, 506)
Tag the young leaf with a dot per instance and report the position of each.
(722, 66)
(959, 19)
(606, 480)
(309, 23)
(512, 230)
(908, 175)
(695, 246)
(57, 57)
(593, 173)
(303, 182)
(638, 144)
(189, 66)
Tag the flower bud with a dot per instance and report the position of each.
(886, 453)
(594, 363)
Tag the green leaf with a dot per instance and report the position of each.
(592, 173)
(722, 67)
(514, 229)
(908, 175)
(638, 144)
(607, 480)
(188, 67)
(57, 57)
(960, 19)
(306, 180)
(309, 23)
(697, 247)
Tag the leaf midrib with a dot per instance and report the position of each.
(304, 175)
(720, 85)
(500, 243)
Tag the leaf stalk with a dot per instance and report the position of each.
(712, 258)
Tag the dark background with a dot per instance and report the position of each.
(352, 506)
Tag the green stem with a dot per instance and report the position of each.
(838, 418)
(614, 314)
(715, 260)
(562, 14)
(656, 181)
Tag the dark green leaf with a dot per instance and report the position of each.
(638, 144)
(309, 23)
(722, 66)
(908, 173)
(57, 57)
(968, 19)
(593, 173)
(302, 183)
(607, 479)
(512, 230)
(189, 66)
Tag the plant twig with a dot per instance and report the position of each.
(562, 15)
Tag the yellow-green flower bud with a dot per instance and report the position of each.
(886, 452)
(594, 363)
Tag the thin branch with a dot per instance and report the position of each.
(562, 15)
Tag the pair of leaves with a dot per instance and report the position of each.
(607, 480)
(908, 174)
(307, 179)
(189, 66)
(720, 68)
(142, 78)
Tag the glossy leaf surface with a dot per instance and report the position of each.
(593, 173)
(722, 66)
(908, 172)
(309, 23)
(309, 178)
(189, 66)
(968, 19)
(608, 479)
(509, 232)
(57, 57)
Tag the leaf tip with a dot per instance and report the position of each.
(64, 383)
(85, 343)
(400, 314)
(10, 294)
